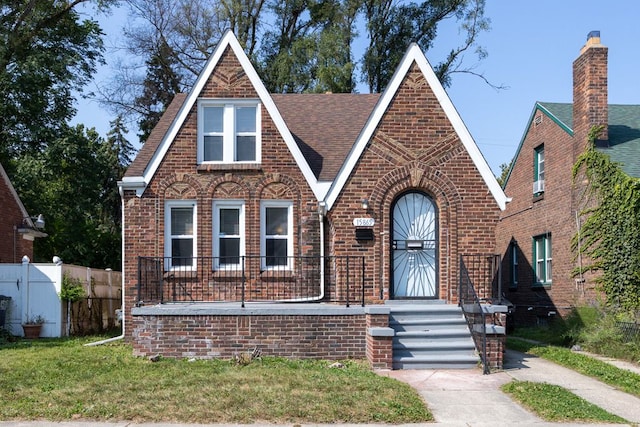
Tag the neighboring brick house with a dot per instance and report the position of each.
(17, 228)
(535, 231)
(242, 195)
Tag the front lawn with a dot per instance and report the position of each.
(60, 379)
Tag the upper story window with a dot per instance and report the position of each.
(180, 233)
(538, 170)
(228, 131)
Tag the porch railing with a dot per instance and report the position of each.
(479, 282)
(251, 279)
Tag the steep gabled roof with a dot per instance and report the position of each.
(325, 126)
(624, 132)
(415, 55)
(139, 181)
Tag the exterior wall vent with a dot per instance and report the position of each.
(538, 119)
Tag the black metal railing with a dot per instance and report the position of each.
(250, 279)
(474, 273)
(485, 273)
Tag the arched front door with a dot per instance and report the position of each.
(414, 219)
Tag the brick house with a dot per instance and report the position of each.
(240, 196)
(536, 228)
(17, 229)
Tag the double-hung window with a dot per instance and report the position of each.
(538, 170)
(276, 233)
(180, 234)
(228, 131)
(542, 259)
(228, 234)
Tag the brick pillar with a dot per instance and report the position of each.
(379, 338)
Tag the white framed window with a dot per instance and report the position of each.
(180, 234)
(542, 258)
(228, 234)
(276, 233)
(228, 131)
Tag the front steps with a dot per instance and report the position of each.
(430, 335)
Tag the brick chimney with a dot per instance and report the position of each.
(590, 94)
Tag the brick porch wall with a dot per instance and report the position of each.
(332, 337)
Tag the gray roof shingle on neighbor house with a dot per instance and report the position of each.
(624, 132)
(325, 126)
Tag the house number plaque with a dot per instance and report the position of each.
(364, 222)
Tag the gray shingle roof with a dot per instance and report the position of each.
(624, 132)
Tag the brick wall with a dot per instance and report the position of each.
(415, 148)
(12, 246)
(331, 337)
(179, 178)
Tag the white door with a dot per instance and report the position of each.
(414, 247)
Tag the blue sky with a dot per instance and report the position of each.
(531, 47)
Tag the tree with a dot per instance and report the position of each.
(393, 25)
(72, 181)
(504, 173)
(160, 85)
(47, 52)
(609, 234)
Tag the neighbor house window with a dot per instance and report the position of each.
(538, 170)
(228, 131)
(180, 233)
(276, 233)
(228, 233)
(513, 249)
(542, 259)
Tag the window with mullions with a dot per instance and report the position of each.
(228, 131)
(228, 233)
(542, 259)
(513, 249)
(180, 233)
(276, 233)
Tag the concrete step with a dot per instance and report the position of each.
(426, 324)
(436, 362)
(459, 347)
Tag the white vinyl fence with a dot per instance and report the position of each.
(34, 291)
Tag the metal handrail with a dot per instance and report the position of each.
(250, 278)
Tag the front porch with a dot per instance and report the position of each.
(178, 325)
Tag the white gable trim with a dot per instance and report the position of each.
(414, 54)
(229, 40)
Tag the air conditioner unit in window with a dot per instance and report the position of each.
(538, 186)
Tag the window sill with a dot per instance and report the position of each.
(538, 196)
(541, 285)
(217, 167)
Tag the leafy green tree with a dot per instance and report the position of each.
(46, 53)
(160, 85)
(393, 25)
(609, 234)
(72, 181)
(504, 173)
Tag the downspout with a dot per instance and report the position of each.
(121, 336)
(322, 210)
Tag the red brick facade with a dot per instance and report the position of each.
(12, 244)
(414, 148)
(553, 212)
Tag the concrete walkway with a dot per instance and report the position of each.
(464, 397)
(468, 398)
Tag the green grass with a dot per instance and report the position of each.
(61, 380)
(622, 379)
(557, 404)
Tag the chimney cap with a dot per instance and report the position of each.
(592, 34)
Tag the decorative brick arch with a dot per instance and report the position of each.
(229, 186)
(420, 177)
(180, 186)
